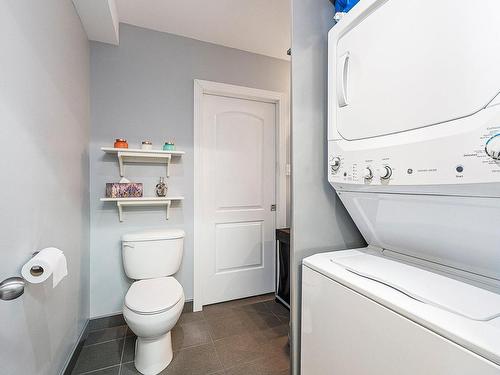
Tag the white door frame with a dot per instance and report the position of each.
(282, 125)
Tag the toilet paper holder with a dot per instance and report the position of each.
(13, 287)
(36, 270)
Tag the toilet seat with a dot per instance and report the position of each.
(153, 296)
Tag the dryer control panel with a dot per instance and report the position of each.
(465, 151)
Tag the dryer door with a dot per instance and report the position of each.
(401, 65)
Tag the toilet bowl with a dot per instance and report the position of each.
(152, 308)
(155, 300)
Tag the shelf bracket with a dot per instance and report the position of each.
(139, 157)
(168, 207)
(121, 204)
(120, 163)
(120, 211)
(168, 167)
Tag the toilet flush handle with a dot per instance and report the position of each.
(126, 244)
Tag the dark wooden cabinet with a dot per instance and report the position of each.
(283, 266)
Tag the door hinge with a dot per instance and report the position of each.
(273, 207)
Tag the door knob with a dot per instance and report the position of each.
(11, 288)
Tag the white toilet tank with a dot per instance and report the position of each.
(152, 253)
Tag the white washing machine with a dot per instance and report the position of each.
(414, 148)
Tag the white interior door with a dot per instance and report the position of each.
(238, 166)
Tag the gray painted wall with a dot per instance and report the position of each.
(319, 221)
(143, 89)
(44, 128)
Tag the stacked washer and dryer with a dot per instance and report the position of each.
(414, 148)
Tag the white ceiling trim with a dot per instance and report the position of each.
(99, 19)
(257, 26)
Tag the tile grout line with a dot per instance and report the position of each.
(96, 370)
(103, 342)
(107, 341)
(213, 345)
(123, 350)
(176, 351)
(192, 346)
(277, 317)
(106, 328)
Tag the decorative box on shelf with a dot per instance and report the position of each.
(124, 190)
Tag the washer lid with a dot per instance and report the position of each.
(154, 235)
(153, 296)
(427, 287)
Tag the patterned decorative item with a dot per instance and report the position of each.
(161, 188)
(124, 190)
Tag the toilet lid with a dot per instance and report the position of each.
(153, 295)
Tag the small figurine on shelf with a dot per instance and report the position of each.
(147, 145)
(161, 188)
(120, 143)
(169, 146)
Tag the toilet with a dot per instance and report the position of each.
(155, 300)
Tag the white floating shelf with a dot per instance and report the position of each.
(130, 155)
(144, 201)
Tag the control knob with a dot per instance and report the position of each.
(493, 147)
(367, 173)
(335, 164)
(385, 173)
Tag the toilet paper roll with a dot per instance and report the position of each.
(49, 261)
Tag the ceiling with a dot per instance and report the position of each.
(259, 26)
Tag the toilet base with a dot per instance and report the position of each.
(153, 355)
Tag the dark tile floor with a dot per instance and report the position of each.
(242, 337)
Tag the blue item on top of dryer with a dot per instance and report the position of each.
(344, 5)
